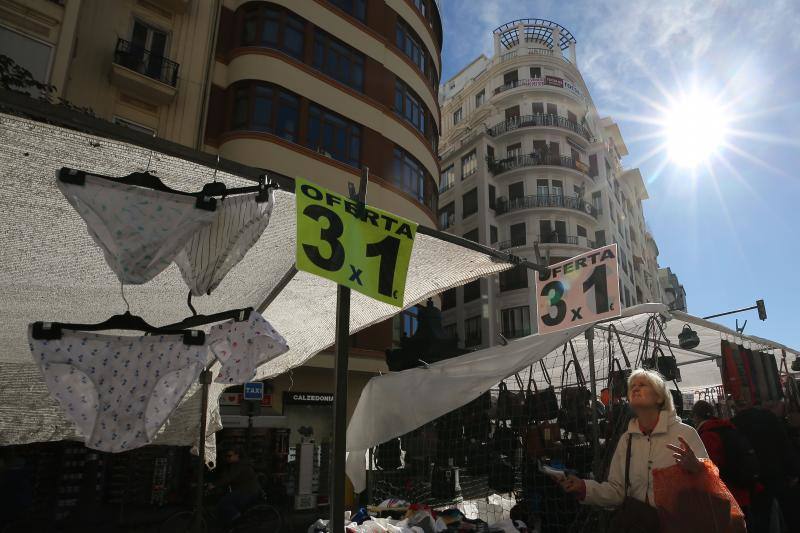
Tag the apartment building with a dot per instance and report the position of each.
(526, 159)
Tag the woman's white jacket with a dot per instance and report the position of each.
(647, 453)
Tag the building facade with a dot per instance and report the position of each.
(526, 159)
(673, 293)
(318, 89)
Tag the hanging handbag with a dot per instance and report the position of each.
(634, 516)
(541, 439)
(575, 411)
(387, 455)
(617, 379)
(519, 408)
(504, 441)
(503, 402)
(542, 404)
(445, 482)
(501, 475)
(666, 365)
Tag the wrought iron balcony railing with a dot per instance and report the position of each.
(146, 63)
(550, 200)
(527, 121)
(498, 166)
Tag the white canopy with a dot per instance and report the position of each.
(397, 403)
(51, 270)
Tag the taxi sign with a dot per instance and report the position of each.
(367, 251)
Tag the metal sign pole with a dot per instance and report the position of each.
(340, 396)
(197, 518)
(590, 344)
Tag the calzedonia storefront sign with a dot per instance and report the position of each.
(307, 398)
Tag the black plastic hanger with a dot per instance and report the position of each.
(139, 179)
(126, 321)
(239, 315)
(218, 188)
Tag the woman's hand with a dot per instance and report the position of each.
(570, 484)
(684, 456)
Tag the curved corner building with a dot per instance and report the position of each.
(526, 159)
(320, 89)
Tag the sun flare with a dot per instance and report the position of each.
(695, 127)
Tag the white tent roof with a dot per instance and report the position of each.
(51, 270)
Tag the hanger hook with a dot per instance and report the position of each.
(214, 178)
(122, 292)
(150, 157)
(189, 303)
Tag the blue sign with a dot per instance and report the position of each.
(254, 391)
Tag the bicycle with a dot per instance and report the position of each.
(257, 518)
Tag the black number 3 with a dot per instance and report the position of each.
(330, 235)
(555, 301)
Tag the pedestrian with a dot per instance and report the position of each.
(655, 438)
(731, 451)
(241, 479)
(779, 465)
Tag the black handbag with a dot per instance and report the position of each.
(444, 482)
(504, 440)
(617, 379)
(501, 476)
(542, 404)
(387, 455)
(575, 411)
(666, 365)
(634, 516)
(504, 401)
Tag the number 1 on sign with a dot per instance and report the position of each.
(387, 250)
(599, 282)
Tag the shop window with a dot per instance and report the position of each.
(334, 135)
(472, 291)
(472, 332)
(458, 115)
(470, 203)
(492, 197)
(338, 60)
(447, 215)
(448, 299)
(448, 178)
(407, 41)
(356, 8)
(514, 278)
(263, 107)
(516, 322)
(469, 164)
(472, 235)
(409, 106)
(409, 174)
(273, 27)
(480, 98)
(493, 234)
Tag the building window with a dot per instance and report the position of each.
(356, 8)
(448, 299)
(262, 107)
(516, 191)
(334, 135)
(480, 98)
(447, 215)
(518, 234)
(514, 278)
(451, 331)
(492, 197)
(457, 116)
(338, 60)
(510, 77)
(472, 331)
(469, 164)
(273, 27)
(409, 106)
(581, 231)
(472, 290)
(492, 234)
(134, 126)
(538, 108)
(472, 235)
(470, 203)
(536, 72)
(516, 322)
(627, 297)
(597, 201)
(30, 54)
(408, 43)
(421, 7)
(448, 178)
(409, 174)
(409, 320)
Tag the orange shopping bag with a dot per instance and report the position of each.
(695, 502)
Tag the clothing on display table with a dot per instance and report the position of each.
(118, 390)
(140, 230)
(242, 347)
(213, 250)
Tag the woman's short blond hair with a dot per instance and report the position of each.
(659, 385)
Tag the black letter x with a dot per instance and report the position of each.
(576, 314)
(356, 275)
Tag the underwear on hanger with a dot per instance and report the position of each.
(139, 229)
(118, 390)
(242, 347)
(213, 250)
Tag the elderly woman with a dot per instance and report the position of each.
(657, 439)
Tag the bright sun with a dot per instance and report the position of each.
(695, 128)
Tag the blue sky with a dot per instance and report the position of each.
(729, 228)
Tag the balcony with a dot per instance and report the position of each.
(539, 120)
(553, 238)
(526, 52)
(547, 81)
(140, 73)
(499, 166)
(551, 200)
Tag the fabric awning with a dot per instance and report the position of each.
(51, 270)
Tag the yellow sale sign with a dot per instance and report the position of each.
(578, 291)
(368, 251)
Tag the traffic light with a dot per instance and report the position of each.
(762, 311)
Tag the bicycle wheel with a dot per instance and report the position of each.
(183, 522)
(261, 518)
